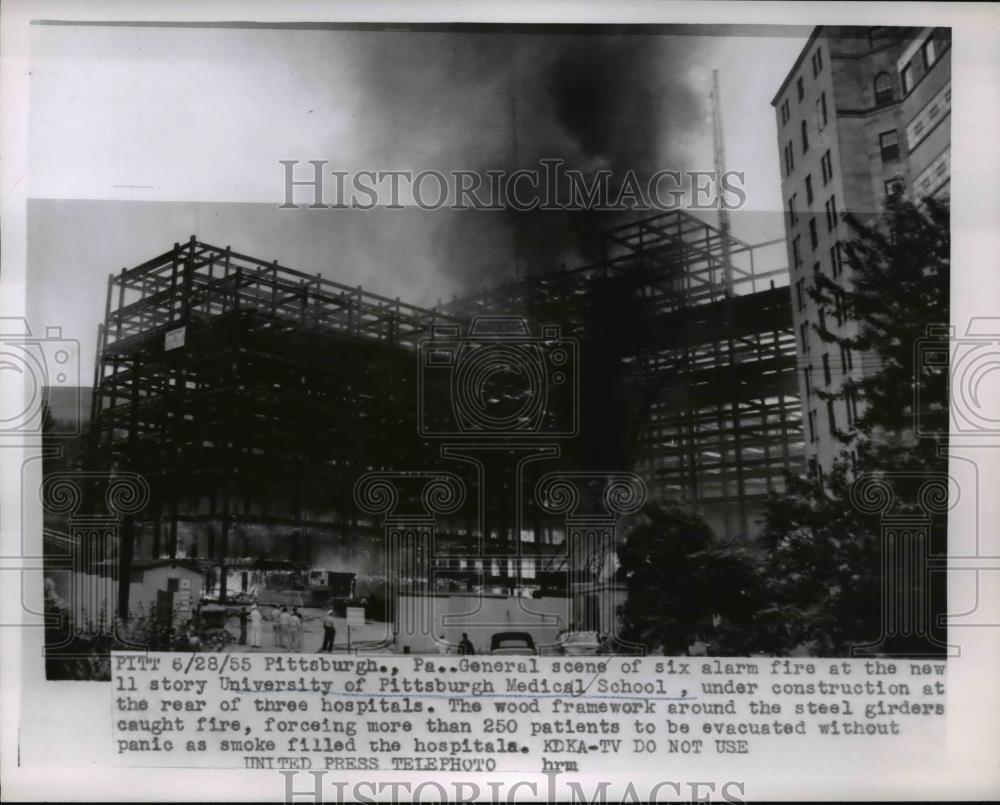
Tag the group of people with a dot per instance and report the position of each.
(287, 627)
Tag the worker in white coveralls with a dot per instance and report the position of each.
(255, 625)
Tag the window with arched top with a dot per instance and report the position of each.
(883, 89)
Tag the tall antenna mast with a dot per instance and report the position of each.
(719, 142)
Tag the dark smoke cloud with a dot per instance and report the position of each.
(625, 103)
(480, 101)
(622, 103)
(623, 98)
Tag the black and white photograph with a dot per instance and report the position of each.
(501, 346)
(576, 386)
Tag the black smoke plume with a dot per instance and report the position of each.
(611, 100)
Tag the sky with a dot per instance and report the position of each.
(142, 136)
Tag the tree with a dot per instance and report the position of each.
(823, 566)
(901, 275)
(678, 576)
(823, 582)
(48, 419)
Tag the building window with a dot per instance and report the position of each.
(801, 88)
(806, 374)
(812, 438)
(793, 215)
(835, 260)
(846, 359)
(877, 36)
(789, 159)
(827, 378)
(826, 163)
(796, 251)
(894, 186)
(838, 307)
(930, 53)
(804, 333)
(784, 112)
(883, 89)
(832, 417)
(813, 237)
(888, 143)
(817, 61)
(800, 293)
(906, 77)
(821, 116)
(805, 137)
(822, 320)
(942, 41)
(831, 213)
(809, 189)
(816, 268)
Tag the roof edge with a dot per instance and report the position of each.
(802, 54)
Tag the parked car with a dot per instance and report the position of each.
(578, 644)
(512, 643)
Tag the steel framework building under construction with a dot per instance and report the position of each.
(252, 396)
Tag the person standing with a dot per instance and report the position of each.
(255, 624)
(281, 629)
(243, 626)
(295, 630)
(329, 631)
(465, 646)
